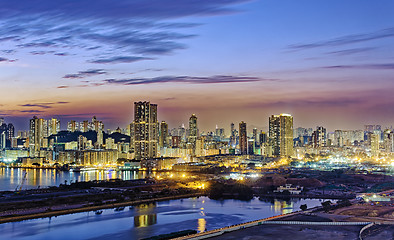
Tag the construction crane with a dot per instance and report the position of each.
(19, 187)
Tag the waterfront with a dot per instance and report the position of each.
(11, 178)
(148, 220)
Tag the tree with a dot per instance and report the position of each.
(304, 207)
(326, 205)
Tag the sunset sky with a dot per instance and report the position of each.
(327, 63)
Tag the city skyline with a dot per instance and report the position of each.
(326, 64)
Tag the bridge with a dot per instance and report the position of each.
(269, 220)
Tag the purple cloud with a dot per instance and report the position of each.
(87, 73)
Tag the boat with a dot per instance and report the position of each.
(98, 212)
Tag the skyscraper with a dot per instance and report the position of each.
(10, 131)
(163, 134)
(53, 126)
(37, 134)
(319, 137)
(72, 126)
(145, 130)
(243, 138)
(193, 130)
(281, 134)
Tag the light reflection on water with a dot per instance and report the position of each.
(148, 220)
(10, 178)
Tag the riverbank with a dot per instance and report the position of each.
(93, 208)
(320, 196)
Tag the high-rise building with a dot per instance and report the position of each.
(263, 138)
(72, 126)
(233, 136)
(100, 139)
(145, 130)
(96, 125)
(219, 132)
(193, 130)
(37, 135)
(319, 137)
(243, 138)
(373, 139)
(53, 126)
(163, 134)
(10, 131)
(388, 141)
(281, 134)
(84, 126)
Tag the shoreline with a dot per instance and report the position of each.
(93, 208)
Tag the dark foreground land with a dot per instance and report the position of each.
(303, 232)
(86, 196)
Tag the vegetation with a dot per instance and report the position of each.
(303, 207)
(218, 190)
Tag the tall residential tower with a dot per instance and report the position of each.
(145, 130)
(281, 134)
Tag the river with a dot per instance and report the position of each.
(148, 220)
(11, 178)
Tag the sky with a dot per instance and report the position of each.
(328, 63)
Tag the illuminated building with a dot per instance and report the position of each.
(347, 137)
(163, 134)
(84, 126)
(319, 137)
(233, 136)
(255, 136)
(373, 139)
(219, 132)
(110, 144)
(82, 142)
(263, 138)
(100, 139)
(389, 141)
(243, 138)
(53, 126)
(38, 133)
(72, 126)
(96, 125)
(193, 130)
(10, 131)
(281, 134)
(145, 130)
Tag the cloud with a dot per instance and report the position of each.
(104, 29)
(41, 52)
(302, 103)
(2, 59)
(43, 105)
(8, 51)
(352, 51)
(87, 73)
(186, 79)
(31, 111)
(62, 54)
(348, 39)
(377, 66)
(121, 59)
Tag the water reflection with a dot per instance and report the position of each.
(202, 225)
(149, 219)
(10, 178)
(145, 220)
(282, 207)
